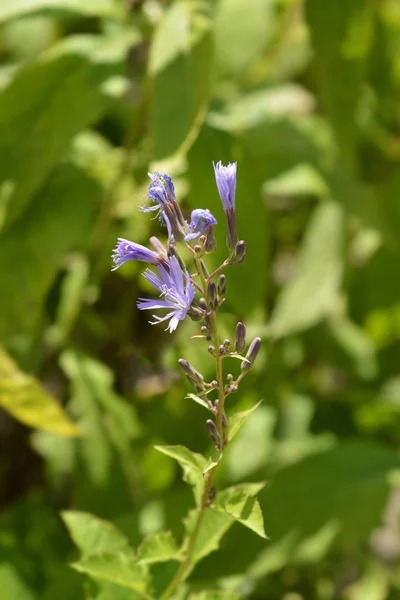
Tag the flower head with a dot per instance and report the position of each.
(126, 250)
(226, 183)
(162, 194)
(175, 287)
(201, 219)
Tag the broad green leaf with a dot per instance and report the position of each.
(243, 507)
(180, 70)
(341, 34)
(214, 595)
(192, 463)
(213, 461)
(242, 30)
(120, 569)
(325, 511)
(13, 585)
(247, 489)
(104, 454)
(159, 547)
(45, 233)
(236, 420)
(106, 590)
(213, 527)
(185, 457)
(309, 296)
(54, 81)
(19, 8)
(23, 397)
(93, 535)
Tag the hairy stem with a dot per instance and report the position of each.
(186, 565)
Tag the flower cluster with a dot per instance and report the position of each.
(172, 281)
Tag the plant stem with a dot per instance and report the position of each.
(186, 564)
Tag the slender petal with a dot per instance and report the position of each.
(175, 286)
(226, 183)
(162, 195)
(126, 250)
(201, 219)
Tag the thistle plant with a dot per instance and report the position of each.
(188, 290)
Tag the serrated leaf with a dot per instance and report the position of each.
(158, 547)
(213, 527)
(309, 295)
(236, 420)
(23, 397)
(93, 535)
(192, 463)
(213, 461)
(243, 507)
(180, 69)
(120, 569)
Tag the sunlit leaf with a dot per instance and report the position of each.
(159, 547)
(236, 420)
(93, 535)
(213, 527)
(243, 507)
(180, 69)
(23, 397)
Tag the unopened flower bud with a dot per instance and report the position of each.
(240, 252)
(194, 377)
(158, 246)
(229, 378)
(212, 494)
(222, 350)
(210, 242)
(227, 343)
(198, 249)
(208, 337)
(196, 314)
(203, 305)
(214, 384)
(251, 355)
(212, 296)
(240, 343)
(203, 329)
(211, 349)
(221, 286)
(214, 433)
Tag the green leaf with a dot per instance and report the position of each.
(180, 69)
(185, 457)
(104, 454)
(22, 396)
(119, 569)
(54, 82)
(45, 233)
(243, 507)
(159, 547)
(236, 421)
(341, 34)
(93, 535)
(213, 461)
(19, 8)
(213, 527)
(242, 30)
(13, 584)
(192, 463)
(309, 296)
(214, 595)
(199, 400)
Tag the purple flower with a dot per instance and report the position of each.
(170, 282)
(162, 194)
(126, 250)
(226, 183)
(201, 219)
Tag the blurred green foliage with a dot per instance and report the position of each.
(305, 95)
